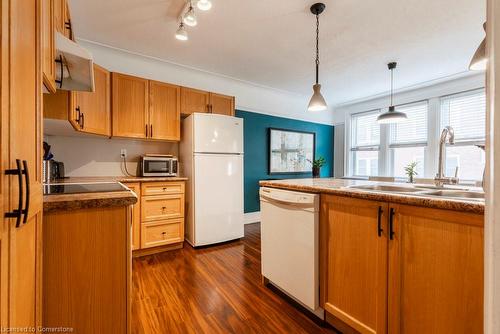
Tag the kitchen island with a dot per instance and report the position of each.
(398, 258)
(87, 258)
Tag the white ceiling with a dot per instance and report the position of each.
(271, 42)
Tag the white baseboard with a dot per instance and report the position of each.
(251, 217)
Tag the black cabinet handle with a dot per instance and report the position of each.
(27, 182)
(16, 213)
(391, 224)
(379, 221)
(82, 117)
(60, 61)
(151, 131)
(68, 26)
(146, 131)
(77, 119)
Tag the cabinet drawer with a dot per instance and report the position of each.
(162, 207)
(162, 233)
(159, 188)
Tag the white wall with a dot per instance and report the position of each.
(91, 156)
(249, 96)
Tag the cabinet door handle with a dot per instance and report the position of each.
(61, 71)
(27, 182)
(391, 224)
(82, 117)
(379, 221)
(146, 131)
(16, 213)
(77, 119)
(151, 130)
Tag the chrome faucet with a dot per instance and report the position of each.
(440, 180)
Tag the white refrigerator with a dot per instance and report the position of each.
(211, 157)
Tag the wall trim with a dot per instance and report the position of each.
(251, 217)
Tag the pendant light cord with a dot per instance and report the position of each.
(392, 86)
(317, 48)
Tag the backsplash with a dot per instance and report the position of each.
(92, 156)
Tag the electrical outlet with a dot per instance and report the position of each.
(123, 153)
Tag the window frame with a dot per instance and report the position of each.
(362, 148)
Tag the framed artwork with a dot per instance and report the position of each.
(291, 151)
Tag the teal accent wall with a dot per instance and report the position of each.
(256, 161)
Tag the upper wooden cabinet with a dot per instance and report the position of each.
(164, 111)
(355, 294)
(194, 100)
(401, 269)
(130, 106)
(88, 112)
(62, 18)
(221, 104)
(48, 45)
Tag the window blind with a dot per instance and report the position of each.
(365, 130)
(466, 114)
(413, 131)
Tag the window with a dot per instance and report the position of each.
(466, 114)
(408, 140)
(365, 143)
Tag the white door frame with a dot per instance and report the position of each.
(492, 183)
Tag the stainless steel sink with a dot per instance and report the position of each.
(386, 188)
(457, 194)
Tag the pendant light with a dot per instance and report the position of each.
(392, 116)
(181, 33)
(204, 4)
(479, 60)
(317, 102)
(190, 17)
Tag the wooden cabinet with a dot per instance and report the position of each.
(194, 100)
(164, 111)
(160, 222)
(221, 104)
(21, 133)
(355, 262)
(420, 269)
(48, 45)
(87, 270)
(435, 271)
(136, 216)
(88, 112)
(129, 106)
(62, 18)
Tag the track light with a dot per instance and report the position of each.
(181, 33)
(190, 17)
(204, 4)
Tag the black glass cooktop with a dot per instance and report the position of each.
(80, 188)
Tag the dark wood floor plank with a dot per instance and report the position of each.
(211, 290)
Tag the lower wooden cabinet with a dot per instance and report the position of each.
(401, 269)
(158, 216)
(163, 232)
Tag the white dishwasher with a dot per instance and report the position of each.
(290, 244)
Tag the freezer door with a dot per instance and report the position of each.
(218, 198)
(217, 134)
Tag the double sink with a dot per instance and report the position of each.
(424, 190)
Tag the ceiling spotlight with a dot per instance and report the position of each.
(181, 33)
(190, 17)
(204, 4)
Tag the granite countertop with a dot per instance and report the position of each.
(340, 187)
(64, 202)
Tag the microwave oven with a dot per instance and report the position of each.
(159, 166)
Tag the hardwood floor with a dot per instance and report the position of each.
(211, 290)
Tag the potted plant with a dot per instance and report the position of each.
(411, 170)
(316, 165)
